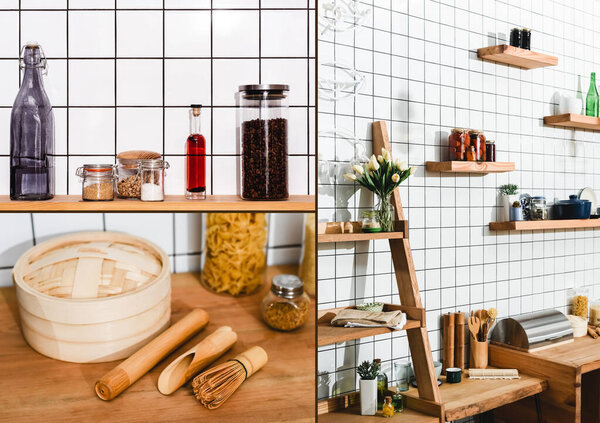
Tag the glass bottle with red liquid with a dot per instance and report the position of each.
(195, 158)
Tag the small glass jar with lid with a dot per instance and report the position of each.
(263, 114)
(129, 184)
(152, 177)
(538, 210)
(456, 144)
(98, 182)
(370, 222)
(475, 149)
(286, 305)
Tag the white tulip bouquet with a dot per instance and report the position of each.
(382, 176)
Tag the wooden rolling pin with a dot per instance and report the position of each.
(448, 357)
(125, 374)
(184, 367)
(459, 329)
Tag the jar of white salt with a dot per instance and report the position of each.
(152, 175)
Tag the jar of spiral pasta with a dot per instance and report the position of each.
(286, 305)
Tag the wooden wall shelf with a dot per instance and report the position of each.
(328, 334)
(525, 59)
(536, 225)
(470, 167)
(172, 203)
(338, 232)
(571, 120)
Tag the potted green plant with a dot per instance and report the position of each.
(509, 193)
(382, 176)
(516, 212)
(368, 371)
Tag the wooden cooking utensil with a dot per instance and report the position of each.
(474, 326)
(125, 374)
(213, 387)
(184, 367)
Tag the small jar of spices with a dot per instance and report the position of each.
(286, 305)
(98, 182)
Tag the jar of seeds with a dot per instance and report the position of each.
(129, 185)
(286, 305)
(263, 114)
(98, 182)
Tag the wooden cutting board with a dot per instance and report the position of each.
(36, 388)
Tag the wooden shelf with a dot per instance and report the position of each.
(172, 203)
(571, 120)
(536, 225)
(352, 414)
(525, 59)
(470, 167)
(335, 232)
(328, 334)
(62, 389)
(471, 396)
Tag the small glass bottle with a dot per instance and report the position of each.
(195, 158)
(382, 386)
(490, 151)
(32, 132)
(388, 407)
(398, 401)
(591, 100)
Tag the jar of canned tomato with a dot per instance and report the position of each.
(475, 150)
(456, 144)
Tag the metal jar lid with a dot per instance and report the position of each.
(154, 164)
(287, 286)
(264, 87)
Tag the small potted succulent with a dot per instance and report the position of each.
(509, 193)
(516, 212)
(368, 371)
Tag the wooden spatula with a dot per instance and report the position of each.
(474, 326)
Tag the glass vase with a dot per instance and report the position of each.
(385, 213)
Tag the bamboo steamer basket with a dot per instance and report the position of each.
(93, 296)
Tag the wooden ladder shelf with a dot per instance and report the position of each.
(429, 401)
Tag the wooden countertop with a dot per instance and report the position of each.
(583, 354)
(172, 203)
(352, 414)
(37, 388)
(471, 397)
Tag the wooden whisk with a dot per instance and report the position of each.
(214, 386)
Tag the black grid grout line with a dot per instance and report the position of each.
(301, 158)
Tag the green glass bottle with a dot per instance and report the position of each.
(591, 101)
(382, 386)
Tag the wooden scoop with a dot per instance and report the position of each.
(474, 326)
(184, 367)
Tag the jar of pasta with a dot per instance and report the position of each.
(595, 313)
(578, 299)
(286, 305)
(235, 259)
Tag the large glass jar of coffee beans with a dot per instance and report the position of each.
(263, 117)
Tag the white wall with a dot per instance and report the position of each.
(178, 234)
(122, 76)
(423, 78)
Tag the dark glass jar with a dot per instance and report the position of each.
(456, 144)
(515, 37)
(32, 133)
(263, 114)
(526, 38)
(490, 151)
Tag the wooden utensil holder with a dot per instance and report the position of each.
(479, 354)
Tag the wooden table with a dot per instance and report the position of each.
(471, 397)
(573, 374)
(36, 388)
(352, 414)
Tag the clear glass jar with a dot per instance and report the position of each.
(152, 178)
(98, 182)
(263, 114)
(595, 313)
(128, 165)
(370, 223)
(456, 144)
(578, 300)
(286, 305)
(538, 210)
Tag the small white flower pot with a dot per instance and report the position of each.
(368, 397)
(507, 201)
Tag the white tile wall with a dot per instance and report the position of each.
(122, 74)
(423, 77)
(180, 235)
